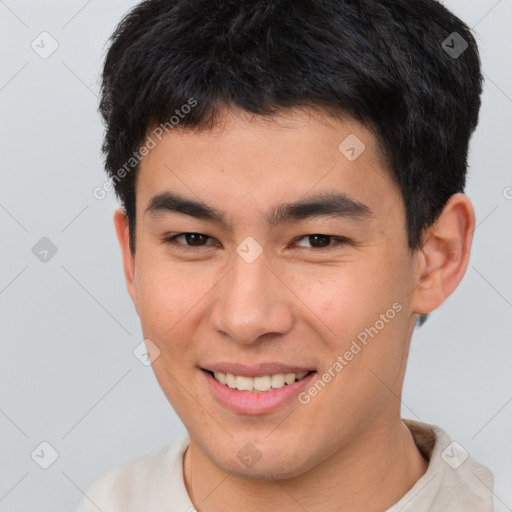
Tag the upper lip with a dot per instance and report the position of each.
(255, 370)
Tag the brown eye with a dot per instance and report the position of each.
(194, 238)
(319, 241)
(192, 241)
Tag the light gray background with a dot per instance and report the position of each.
(68, 375)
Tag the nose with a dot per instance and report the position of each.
(251, 302)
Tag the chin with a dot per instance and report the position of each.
(268, 462)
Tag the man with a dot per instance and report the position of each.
(291, 177)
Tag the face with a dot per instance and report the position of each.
(247, 287)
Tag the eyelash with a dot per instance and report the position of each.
(171, 240)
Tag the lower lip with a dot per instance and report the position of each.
(245, 402)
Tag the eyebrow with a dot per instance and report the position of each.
(337, 205)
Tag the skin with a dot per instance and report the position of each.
(347, 449)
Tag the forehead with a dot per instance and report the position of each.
(264, 164)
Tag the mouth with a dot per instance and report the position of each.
(260, 384)
(256, 390)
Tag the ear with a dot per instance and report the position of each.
(123, 236)
(444, 255)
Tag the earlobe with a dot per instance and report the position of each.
(123, 237)
(444, 255)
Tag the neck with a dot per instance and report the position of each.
(371, 475)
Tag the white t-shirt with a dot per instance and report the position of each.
(453, 482)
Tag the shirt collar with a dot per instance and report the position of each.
(453, 480)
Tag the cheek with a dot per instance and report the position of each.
(168, 299)
(346, 299)
(362, 311)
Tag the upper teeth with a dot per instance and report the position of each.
(263, 383)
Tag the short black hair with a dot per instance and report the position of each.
(407, 70)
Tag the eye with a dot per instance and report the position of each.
(321, 242)
(195, 240)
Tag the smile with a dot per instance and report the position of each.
(258, 384)
(264, 392)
